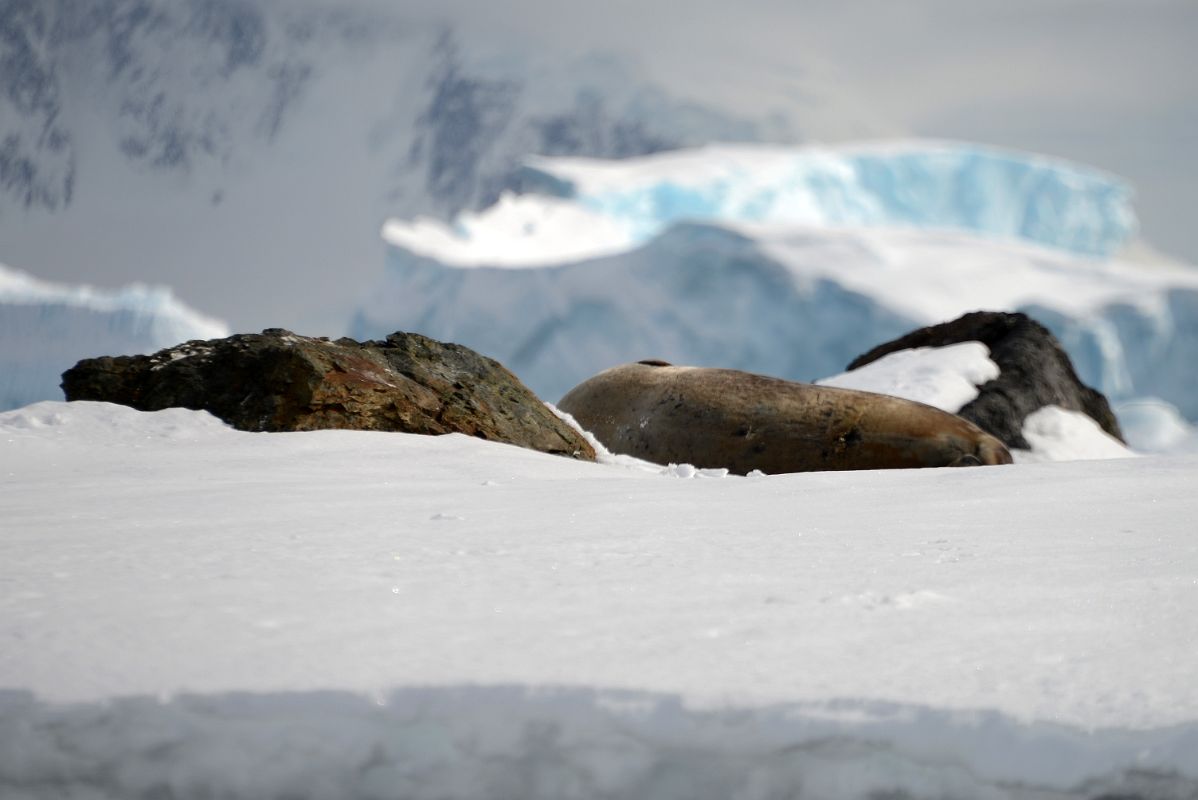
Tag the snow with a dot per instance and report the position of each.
(193, 610)
(1151, 425)
(517, 231)
(945, 377)
(614, 204)
(1058, 434)
(45, 328)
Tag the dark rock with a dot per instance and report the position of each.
(279, 381)
(1035, 372)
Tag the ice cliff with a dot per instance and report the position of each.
(45, 328)
(790, 262)
(913, 184)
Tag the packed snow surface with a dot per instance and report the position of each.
(192, 611)
(45, 328)
(608, 205)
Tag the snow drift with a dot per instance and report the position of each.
(46, 328)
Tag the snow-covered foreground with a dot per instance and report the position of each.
(190, 611)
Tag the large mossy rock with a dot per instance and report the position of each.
(1035, 372)
(280, 381)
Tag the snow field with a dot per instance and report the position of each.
(384, 615)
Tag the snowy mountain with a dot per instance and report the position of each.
(46, 328)
(791, 263)
(242, 143)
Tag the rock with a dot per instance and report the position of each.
(280, 381)
(1035, 372)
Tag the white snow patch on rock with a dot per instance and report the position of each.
(945, 377)
(1056, 434)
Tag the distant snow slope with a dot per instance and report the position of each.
(45, 328)
(790, 263)
(191, 611)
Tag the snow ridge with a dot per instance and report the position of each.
(511, 741)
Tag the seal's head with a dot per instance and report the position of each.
(988, 451)
(991, 450)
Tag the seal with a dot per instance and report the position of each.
(744, 422)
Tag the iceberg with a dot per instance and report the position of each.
(45, 328)
(927, 185)
(604, 263)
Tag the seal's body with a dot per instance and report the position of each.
(741, 421)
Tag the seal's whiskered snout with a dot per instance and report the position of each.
(967, 460)
(994, 452)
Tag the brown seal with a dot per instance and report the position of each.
(744, 422)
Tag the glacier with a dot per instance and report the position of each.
(559, 285)
(45, 328)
